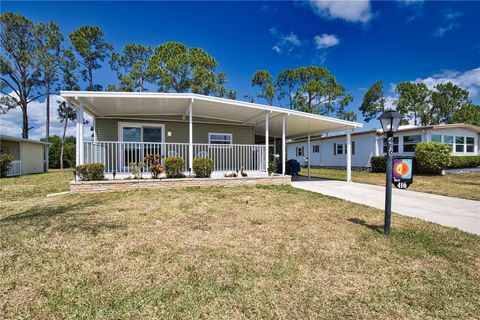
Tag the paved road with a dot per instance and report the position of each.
(447, 211)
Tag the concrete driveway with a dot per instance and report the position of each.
(447, 211)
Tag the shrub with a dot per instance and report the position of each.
(137, 169)
(90, 172)
(202, 167)
(432, 157)
(153, 163)
(5, 163)
(174, 167)
(272, 167)
(464, 162)
(378, 164)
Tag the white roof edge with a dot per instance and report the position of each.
(12, 138)
(171, 95)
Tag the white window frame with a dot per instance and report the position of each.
(222, 134)
(409, 144)
(343, 148)
(140, 125)
(302, 151)
(470, 144)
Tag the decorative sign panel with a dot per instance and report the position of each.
(402, 173)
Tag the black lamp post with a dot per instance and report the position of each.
(390, 121)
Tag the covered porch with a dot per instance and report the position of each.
(193, 116)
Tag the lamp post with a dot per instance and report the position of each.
(390, 121)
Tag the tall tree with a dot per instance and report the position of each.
(65, 113)
(374, 102)
(175, 67)
(49, 40)
(131, 66)
(19, 79)
(169, 67)
(447, 98)
(69, 82)
(285, 85)
(414, 100)
(468, 113)
(319, 92)
(92, 48)
(263, 80)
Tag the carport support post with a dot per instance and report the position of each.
(266, 143)
(284, 153)
(349, 155)
(79, 138)
(308, 154)
(190, 137)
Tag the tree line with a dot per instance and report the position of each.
(445, 103)
(37, 61)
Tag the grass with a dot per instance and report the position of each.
(464, 185)
(224, 253)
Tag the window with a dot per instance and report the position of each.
(395, 145)
(220, 138)
(448, 140)
(410, 142)
(299, 151)
(339, 148)
(316, 149)
(437, 138)
(470, 144)
(459, 144)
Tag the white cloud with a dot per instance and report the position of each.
(11, 122)
(352, 11)
(469, 80)
(326, 40)
(285, 43)
(407, 3)
(451, 15)
(440, 31)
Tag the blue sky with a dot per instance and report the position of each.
(359, 42)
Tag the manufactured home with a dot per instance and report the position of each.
(329, 151)
(234, 134)
(28, 155)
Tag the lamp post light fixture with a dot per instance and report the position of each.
(390, 121)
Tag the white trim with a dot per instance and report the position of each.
(223, 134)
(141, 125)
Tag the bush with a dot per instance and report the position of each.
(5, 163)
(90, 172)
(202, 167)
(174, 167)
(378, 164)
(432, 157)
(153, 163)
(464, 162)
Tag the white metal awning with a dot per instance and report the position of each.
(149, 104)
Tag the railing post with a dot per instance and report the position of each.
(349, 155)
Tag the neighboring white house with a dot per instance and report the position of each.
(28, 155)
(329, 151)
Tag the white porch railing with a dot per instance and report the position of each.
(117, 156)
(15, 169)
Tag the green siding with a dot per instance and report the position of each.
(107, 130)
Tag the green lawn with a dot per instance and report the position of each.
(464, 185)
(223, 253)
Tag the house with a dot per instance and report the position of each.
(28, 155)
(329, 151)
(234, 134)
